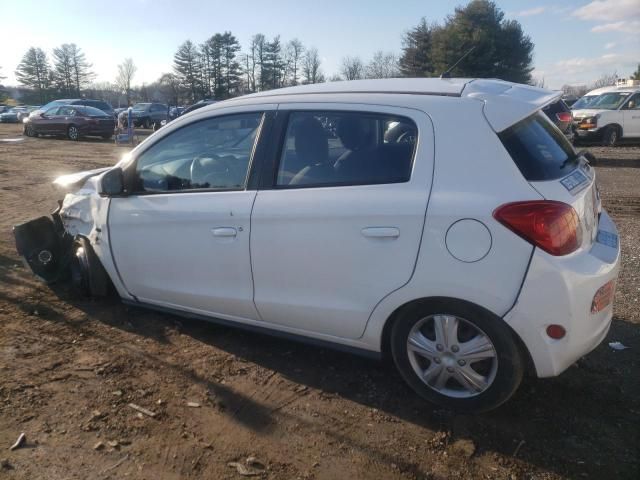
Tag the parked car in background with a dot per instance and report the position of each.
(11, 115)
(197, 105)
(569, 99)
(146, 115)
(72, 121)
(175, 112)
(560, 114)
(99, 104)
(613, 114)
(27, 111)
(252, 213)
(4, 108)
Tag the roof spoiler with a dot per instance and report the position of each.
(507, 103)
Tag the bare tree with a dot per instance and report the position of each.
(311, 67)
(575, 90)
(383, 65)
(126, 72)
(293, 54)
(352, 68)
(606, 80)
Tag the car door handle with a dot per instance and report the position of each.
(381, 232)
(224, 232)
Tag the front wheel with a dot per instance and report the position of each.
(73, 133)
(457, 355)
(29, 131)
(610, 137)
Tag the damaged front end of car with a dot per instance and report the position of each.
(59, 247)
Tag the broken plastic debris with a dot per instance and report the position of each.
(618, 346)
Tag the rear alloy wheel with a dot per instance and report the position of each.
(73, 133)
(457, 355)
(610, 136)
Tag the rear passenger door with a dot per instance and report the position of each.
(336, 225)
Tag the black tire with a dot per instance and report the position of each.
(29, 131)
(146, 124)
(107, 137)
(510, 361)
(73, 133)
(88, 276)
(610, 136)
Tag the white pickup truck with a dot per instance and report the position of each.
(608, 114)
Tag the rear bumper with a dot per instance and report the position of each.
(560, 290)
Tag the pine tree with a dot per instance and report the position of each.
(63, 71)
(229, 51)
(416, 56)
(186, 64)
(33, 71)
(502, 50)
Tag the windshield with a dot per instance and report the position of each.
(584, 102)
(141, 106)
(609, 101)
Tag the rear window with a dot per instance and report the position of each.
(540, 150)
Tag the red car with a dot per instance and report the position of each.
(73, 121)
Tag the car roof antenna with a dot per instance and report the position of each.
(447, 72)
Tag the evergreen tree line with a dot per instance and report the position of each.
(218, 68)
(67, 74)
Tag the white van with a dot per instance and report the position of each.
(608, 114)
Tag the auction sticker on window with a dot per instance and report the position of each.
(575, 182)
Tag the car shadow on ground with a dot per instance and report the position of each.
(570, 424)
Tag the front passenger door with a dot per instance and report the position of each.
(631, 112)
(180, 239)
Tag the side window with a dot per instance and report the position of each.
(633, 103)
(52, 111)
(208, 154)
(346, 148)
(67, 111)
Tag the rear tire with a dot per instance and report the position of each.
(29, 131)
(457, 355)
(610, 136)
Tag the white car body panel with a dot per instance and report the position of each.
(323, 258)
(298, 263)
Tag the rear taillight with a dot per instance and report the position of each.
(564, 116)
(552, 226)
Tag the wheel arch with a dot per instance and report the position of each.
(385, 338)
(100, 283)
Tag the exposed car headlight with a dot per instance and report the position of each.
(589, 122)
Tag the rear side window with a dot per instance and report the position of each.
(540, 151)
(346, 148)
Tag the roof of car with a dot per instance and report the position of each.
(421, 86)
(613, 88)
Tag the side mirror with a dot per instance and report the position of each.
(112, 183)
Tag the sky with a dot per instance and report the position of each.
(575, 41)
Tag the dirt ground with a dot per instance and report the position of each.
(69, 367)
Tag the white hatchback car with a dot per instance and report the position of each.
(446, 222)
